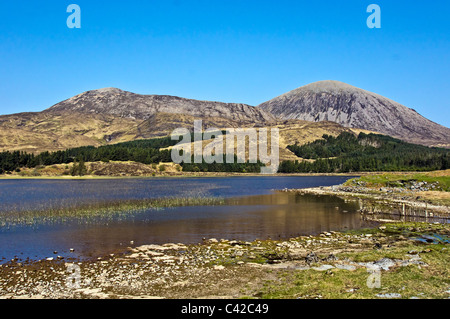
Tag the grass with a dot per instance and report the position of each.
(441, 179)
(423, 281)
(409, 281)
(438, 195)
(95, 212)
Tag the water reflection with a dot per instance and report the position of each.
(44, 194)
(279, 215)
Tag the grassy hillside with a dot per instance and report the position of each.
(340, 152)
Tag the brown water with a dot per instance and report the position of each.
(279, 215)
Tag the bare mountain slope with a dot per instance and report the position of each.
(112, 115)
(353, 107)
(125, 104)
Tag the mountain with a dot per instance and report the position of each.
(111, 115)
(113, 101)
(356, 108)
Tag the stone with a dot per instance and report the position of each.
(323, 267)
(311, 258)
(377, 246)
(330, 257)
(219, 267)
(345, 267)
(384, 263)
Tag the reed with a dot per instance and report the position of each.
(99, 212)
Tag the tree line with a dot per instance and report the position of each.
(364, 152)
(341, 154)
(142, 151)
(245, 167)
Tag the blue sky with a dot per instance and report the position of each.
(242, 51)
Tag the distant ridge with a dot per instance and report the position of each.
(113, 101)
(111, 115)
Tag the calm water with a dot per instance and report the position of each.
(252, 211)
(41, 194)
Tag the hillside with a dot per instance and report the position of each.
(353, 107)
(110, 116)
(112, 101)
(346, 152)
(364, 153)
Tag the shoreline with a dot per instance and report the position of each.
(187, 175)
(195, 175)
(410, 204)
(410, 261)
(173, 174)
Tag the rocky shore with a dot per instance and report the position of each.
(390, 200)
(411, 260)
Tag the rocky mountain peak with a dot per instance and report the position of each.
(356, 108)
(113, 101)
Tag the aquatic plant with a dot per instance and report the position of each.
(99, 212)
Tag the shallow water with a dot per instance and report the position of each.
(252, 211)
(43, 194)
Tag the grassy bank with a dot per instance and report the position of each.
(438, 180)
(430, 187)
(419, 269)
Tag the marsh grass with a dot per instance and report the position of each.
(99, 211)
